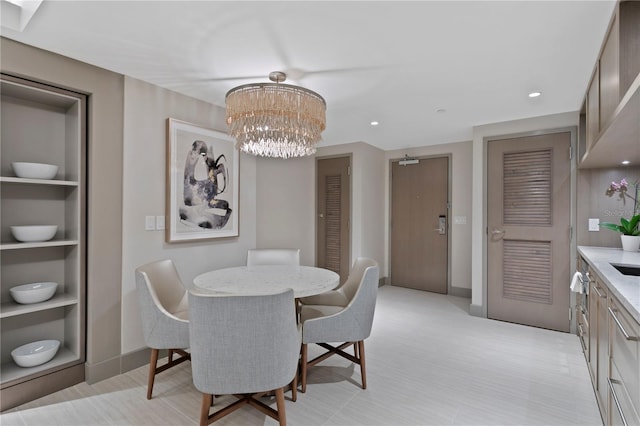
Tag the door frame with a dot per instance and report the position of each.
(449, 158)
(315, 204)
(573, 130)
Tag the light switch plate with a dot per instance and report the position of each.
(594, 224)
(159, 222)
(149, 223)
(460, 220)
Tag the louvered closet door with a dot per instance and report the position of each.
(333, 234)
(528, 230)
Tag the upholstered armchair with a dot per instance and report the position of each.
(335, 323)
(165, 315)
(243, 345)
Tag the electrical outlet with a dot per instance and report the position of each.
(594, 224)
(149, 223)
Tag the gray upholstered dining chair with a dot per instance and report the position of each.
(335, 323)
(273, 257)
(243, 345)
(340, 295)
(165, 314)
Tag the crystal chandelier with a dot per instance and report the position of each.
(275, 120)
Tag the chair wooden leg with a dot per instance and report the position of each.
(170, 355)
(282, 414)
(355, 349)
(303, 365)
(153, 362)
(207, 401)
(294, 387)
(363, 370)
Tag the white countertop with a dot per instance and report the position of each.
(626, 288)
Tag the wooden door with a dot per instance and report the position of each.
(528, 210)
(334, 210)
(419, 224)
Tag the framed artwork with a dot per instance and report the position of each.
(203, 169)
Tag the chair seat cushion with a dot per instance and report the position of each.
(329, 298)
(315, 311)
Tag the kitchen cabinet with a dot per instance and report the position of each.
(612, 99)
(593, 108)
(42, 124)
(599, 339)
(624, 380)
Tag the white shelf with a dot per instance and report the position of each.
(56, 243)
(11, 371)
(11, 179)
(11, 309)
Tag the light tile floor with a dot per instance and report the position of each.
(428, 363)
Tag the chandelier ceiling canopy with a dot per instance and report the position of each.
(274, 119)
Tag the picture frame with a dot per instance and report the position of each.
(203, 184)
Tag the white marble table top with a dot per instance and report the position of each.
(265, 279)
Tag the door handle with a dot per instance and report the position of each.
(442, 225)
(498, 231)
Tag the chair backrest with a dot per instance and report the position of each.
(243, 344)
(163, 305)
(273, 257)
(350, 286)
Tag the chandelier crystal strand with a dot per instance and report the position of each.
(275, 120)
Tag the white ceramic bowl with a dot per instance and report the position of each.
(34, 170)
(34, 292)
(30, 234)
(35, 353)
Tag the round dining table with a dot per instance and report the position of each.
(265, 279)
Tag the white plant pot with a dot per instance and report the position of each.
(630, 242)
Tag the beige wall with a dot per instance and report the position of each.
(285, 205)
(146, 108)
(460, 252)
(367, 198)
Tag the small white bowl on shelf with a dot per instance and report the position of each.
(33, 292)
(34, 170)
(34, 233)
(35, 353)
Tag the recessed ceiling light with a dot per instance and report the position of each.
(626, 162)
(534, 94)
(441, 110)
(374, 123)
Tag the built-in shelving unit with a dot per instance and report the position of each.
(42, 124)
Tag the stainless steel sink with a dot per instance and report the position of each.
(627, 270)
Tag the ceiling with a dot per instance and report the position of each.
(427, 71)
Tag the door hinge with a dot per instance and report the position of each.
(348, 170)
(570, 152)
(570, 233)
(570, 314)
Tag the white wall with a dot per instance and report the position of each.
(478, 240)
(461, 154)
(146, 108)
(285, 205)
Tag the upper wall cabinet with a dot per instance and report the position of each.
(611, 110)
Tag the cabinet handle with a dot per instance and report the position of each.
(626, 335)
(598, 291)
(615, 398)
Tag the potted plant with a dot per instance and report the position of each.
(629, 228)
